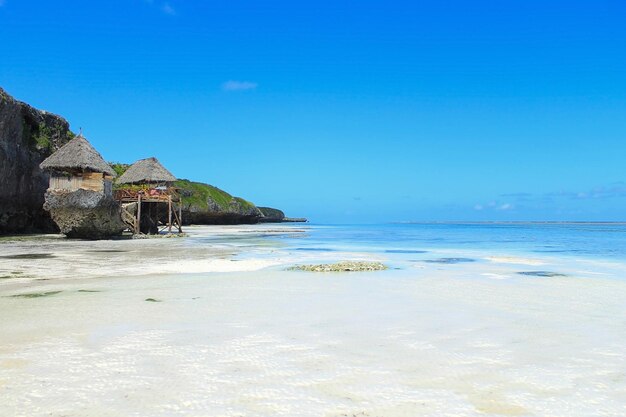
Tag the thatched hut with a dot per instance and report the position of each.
(148, 199)
(146, 171)
(78, 165)
(80, 194)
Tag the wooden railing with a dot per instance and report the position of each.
(147, 194)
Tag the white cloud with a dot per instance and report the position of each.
(238, 85)
(493, 205)
(614, 190)
(163, 6)
(168, 9)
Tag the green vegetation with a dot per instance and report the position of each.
(41, 136)
(36, 294)
(132, 187)
(245, 204)
(119, 168)
(13, 274)
(272, 212)
(198, 194)
(153, 300)
(29, 256)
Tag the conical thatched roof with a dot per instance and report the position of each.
(77, 154)
(146, 170)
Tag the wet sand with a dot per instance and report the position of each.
(428, 339)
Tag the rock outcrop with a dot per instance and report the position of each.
(206, 204)
(85, 214)
(271, 215)
(295, 220)
(27, 137)
(344, 266)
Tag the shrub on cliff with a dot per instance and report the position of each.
(198, 197)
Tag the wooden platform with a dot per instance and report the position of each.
(151, 195)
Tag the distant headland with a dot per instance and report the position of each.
(74, 175)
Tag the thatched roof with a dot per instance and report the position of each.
(146, 170)
(77, 154)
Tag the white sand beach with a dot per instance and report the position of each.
(230, 332)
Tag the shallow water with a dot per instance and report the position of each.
(235, 334)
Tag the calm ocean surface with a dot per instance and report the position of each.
(599, 241)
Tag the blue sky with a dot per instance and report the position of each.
(345, 111)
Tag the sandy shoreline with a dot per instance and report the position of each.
(204, 250)
(285, 344)
(48, 257)
(230, 332)
(29, 261)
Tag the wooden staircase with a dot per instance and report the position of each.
(130, 219)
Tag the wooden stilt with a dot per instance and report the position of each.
(169, 214)
(180, 218)
(175, 213)
(138, 225)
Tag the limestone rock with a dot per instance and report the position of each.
(345, 266)
(27, 137)
(85, 214)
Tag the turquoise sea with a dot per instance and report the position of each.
(601, 240)
(597, 248)
(593, 240)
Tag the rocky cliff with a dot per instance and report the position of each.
(206, 204)
(27, 137)
(271, 215)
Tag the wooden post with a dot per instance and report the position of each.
(180, 217)
(138, 225)
(169, 214)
